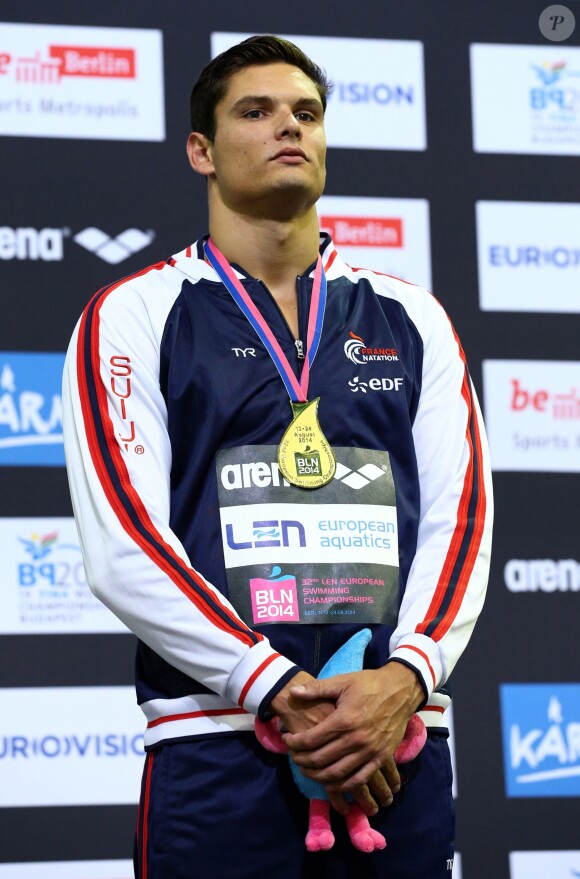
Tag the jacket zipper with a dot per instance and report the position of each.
(298, 343)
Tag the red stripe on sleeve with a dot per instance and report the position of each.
(423, 655)
(248, 637)
(255, 675)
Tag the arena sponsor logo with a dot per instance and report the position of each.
(526, 102)
(541, 738)
(27, 243)
(70, 746)
(356, 350)
(376, 384)
(378, 99)
(31, 409)
(45, 588)
(533, 415)
(103, 869)
(540, 864)
(263, 474)
(526, 249)
(68, 81)
(542, 575)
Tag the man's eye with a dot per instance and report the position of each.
(253, 114)
(304, 116)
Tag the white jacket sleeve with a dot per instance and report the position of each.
(448, 578)
(119, 459)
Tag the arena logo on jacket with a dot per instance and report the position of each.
(296, 556)
(83, 82)
(31, 409)
(541, 739)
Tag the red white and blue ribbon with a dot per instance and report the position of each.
(297, 389)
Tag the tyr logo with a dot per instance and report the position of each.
(244, 352)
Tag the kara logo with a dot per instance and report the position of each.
(541, 736)
(544, 575)
(31, 409)
(364, 231)
(59, 61)
(113, 250)
(356, 350)
(375, 384)
(268, 533)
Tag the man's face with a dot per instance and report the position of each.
(269, 147)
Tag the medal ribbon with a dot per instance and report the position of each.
(297, 390)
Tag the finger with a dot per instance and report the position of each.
(328, 688)
(344, 774)
(320, 758)
(380, 789)
(391, 774)
(365, 799)
(338, 802)
(316, 737)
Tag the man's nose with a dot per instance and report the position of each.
(288, 126)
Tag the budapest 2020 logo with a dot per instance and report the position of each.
(541, 739)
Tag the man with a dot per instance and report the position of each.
(243, 539)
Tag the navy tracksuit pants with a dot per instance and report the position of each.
(224, 808)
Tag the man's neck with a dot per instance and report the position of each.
(275, 251)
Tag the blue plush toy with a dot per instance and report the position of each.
(320, 837)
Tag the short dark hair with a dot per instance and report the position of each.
(265, 49)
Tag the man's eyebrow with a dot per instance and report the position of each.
(267, 101)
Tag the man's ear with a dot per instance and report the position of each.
(199, 152)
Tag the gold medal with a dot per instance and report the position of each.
(305, 456)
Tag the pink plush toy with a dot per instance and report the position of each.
(320, 836)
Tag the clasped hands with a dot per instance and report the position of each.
(343, 731)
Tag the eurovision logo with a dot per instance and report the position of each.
(541, 739)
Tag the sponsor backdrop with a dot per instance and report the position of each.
(454, 137)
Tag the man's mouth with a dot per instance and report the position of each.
(291, 155)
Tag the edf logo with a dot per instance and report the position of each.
(269, 532)
(541, 739)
